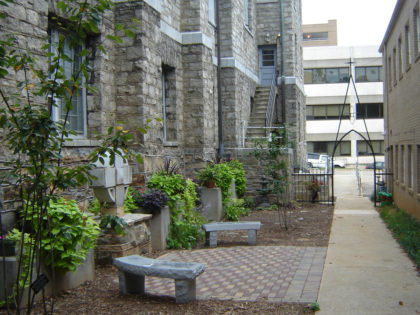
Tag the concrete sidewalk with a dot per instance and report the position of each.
(366, 271)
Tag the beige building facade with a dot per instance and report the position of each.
(324, 34)
(401, 59)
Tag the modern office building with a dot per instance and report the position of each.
(401, 58)
(327, 70)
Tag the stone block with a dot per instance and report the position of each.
(211, 199)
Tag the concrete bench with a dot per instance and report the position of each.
(213, 228)
(133, 269)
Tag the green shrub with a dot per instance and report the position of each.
(73, 234)
(238, 172)
(173, 185)
(129, 203)
(405, 229)
(185, 227)
(24, 260)
(235, 209)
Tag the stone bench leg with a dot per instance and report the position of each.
(211, 239)
(185, 291)
(130, 283)
(252, 237)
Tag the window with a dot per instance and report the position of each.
(394, 65)
(246, 13)
(326, 75)
(389, 73)
(410, 166)
(417, 31)
(369, 74)
(313, 36)
(396, 165)
(402, 166)
(369, 111)
(363, 148)
(75, 110)
(169, 104)
(327, 112)
(408, 54)
(417, 175)
(400, 61)
(343, 149)
(212, 10)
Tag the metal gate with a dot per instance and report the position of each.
(316, 185)
(383, 183)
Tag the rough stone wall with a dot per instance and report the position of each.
(268, 27)
(237, 42)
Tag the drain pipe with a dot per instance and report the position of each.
(219, 81)
(282, 70)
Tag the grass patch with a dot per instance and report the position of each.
(406, 230)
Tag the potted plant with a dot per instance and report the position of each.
(208, 176)
(150, 200)
(153, 201)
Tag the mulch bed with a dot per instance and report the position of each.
(309, 226)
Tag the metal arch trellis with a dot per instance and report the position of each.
(338, 141)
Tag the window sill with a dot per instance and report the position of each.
(170, 143)
(82, 143)
(246, 27)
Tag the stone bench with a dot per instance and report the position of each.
(133, 269)
(213, 228)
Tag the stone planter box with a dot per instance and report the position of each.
(62, 281)
(135, 241)
(211, 199)
(160, 228)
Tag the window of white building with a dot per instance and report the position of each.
(363, 148)
(369, 111)
(369, 74)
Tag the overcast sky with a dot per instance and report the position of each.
(359, 22)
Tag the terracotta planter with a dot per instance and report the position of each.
(210, 184)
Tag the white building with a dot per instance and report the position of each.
(326, 82)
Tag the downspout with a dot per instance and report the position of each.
(219, 81)
(282, 70)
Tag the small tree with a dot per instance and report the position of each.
(34, 139)
(272, 154)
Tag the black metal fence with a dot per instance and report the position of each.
(313, 186)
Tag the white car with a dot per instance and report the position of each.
(316, 160)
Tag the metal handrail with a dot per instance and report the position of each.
(270, 107)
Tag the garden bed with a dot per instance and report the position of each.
(310, 226)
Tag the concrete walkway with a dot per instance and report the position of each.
(366, 271)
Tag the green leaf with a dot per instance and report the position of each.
(115, 38)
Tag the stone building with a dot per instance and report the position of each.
(401, 59)
(170, 70)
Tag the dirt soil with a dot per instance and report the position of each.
(309, 226)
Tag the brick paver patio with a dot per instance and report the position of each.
(250, 273)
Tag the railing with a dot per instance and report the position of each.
(244, 131)
(271, 99)
(315, 186)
